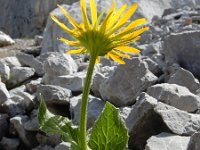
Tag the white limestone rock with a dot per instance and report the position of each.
(175, 95)
(167, 141)
(127, 82)
(178, 121)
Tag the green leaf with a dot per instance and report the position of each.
(55, 124)
(109, 131)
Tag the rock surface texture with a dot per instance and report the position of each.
(157, 91)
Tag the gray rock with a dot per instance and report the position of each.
(43, 147)
(11, 61)
(4, 72)
(4, 94)
(5, 39)
(178, 121)
(24, 100)
(194, 142)
(4, 125)
(146, 9)
(31, 61)
(38, 39)
(58, 64)
(184, 78)
(20, 74)
(52, 32)
(95, 107)
(54, 94)
(28, 138)
(73, 82)
(175, 95)
(9, 143)
(33, 85)
(51, 140)
(32, 124)
(99, 77)
(125, 112)
(183, 48)
(167, 141)
(152, 65)
(127, 82)
(12, 108)
(142, 122)
(63, 146)
(14, 91)
(27, 18)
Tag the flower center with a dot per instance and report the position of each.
(96, 42)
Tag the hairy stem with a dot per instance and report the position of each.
(84, 105)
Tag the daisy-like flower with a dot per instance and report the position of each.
(109, 38)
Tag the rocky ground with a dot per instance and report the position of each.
(158, 91)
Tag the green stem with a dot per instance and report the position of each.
(84, 105)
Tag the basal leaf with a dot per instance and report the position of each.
(54, 124)
(109, 131)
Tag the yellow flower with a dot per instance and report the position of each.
(109, 38)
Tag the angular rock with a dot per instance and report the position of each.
(33, 85)
(31, 61)
(176, 96)
(142, 122)
(20, 74)
(178, 121)
(183, 48)
(28, 18)
(127, 82)
(5, 39)
(4, 94)
(63, 146)
(12, 108)
(14, 91)
(95, 107)
(54, 94)
(38, 39)
(11, 61)
(184, 78)
(4, 72)
(4, 125)
(167, 141)
(51, 140)
(9, 143)
(28, 138)
(73, 82)
(58, 64)
(32, 124)
(99, 77)
(152, 65)
(194, 142)
(43, 147)
(24, 100)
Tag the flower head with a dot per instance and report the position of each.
(109, 37)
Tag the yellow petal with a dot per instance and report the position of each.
(128, 49)
(131, 27)
(116, 16)
(84, 14)
(93, 10)
(63, 26)
(97, 60)
(107, 19)
(135, 33)
(76, 51)
(120, 54)
(73, 23)
(126, 41)
(124, 18)
(115, 58)
(71, 43)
